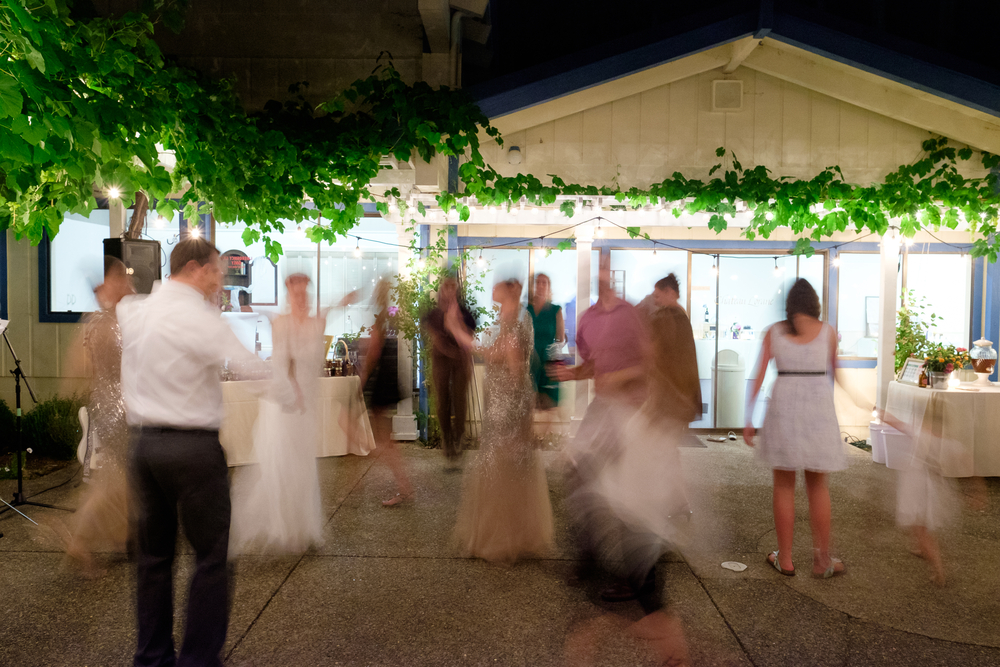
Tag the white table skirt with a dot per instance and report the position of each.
(336, 394)
(956, 429)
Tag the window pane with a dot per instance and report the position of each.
(640, 270)
(76, 262)
(501, 264)
(857, 304)
(340, 271)
(945, 281)
(560, 267)
(813, 269)
(167, 232)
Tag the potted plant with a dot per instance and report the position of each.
(912, 328)
(942, 360)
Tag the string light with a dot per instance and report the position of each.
(777, 269)
(357, 247)
(480, 261)
(195, 232)
(835, 262)
(114, 193)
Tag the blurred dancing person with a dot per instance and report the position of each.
(505, 513)
(613, 344)
(625, 480)
(276, 503)
(103, 515)
(926, 501)
(385, 395)
(550, 335)
(675, 389)
(800, 429)
(174, 345)
(451, 366)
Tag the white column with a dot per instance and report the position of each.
(116, 213)
(887, 300)
(404, 423)
(584, 244)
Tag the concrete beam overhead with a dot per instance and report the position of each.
(436, 15)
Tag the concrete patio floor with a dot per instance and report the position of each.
(387, 588)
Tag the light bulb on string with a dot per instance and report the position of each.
(777, 269)
(835, 261)
(420, 263)
(114, 193)
(357, 247)
(195, 232)
(480, 261)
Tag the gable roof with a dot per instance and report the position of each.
(914, 84)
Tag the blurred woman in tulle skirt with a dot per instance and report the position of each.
(276, 503)
(505, 512)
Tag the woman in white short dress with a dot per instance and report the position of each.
(800, 429)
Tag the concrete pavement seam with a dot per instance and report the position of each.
(294, 567)
(721, 615)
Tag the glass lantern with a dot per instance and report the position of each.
(984, 360)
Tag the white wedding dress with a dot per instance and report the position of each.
(276, 502)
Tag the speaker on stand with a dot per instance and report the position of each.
(141, 258)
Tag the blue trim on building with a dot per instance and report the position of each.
(857, 363)
(4, 278)
(422, 400)
(918, 67)
(992, 312)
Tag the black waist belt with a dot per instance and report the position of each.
(801, 372)
(167, 429)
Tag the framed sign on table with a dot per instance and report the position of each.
(910, 372)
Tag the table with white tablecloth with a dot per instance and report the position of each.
(962, 428)
(336, 394)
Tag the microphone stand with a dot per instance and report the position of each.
(19, 497)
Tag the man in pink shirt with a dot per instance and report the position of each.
(614, 345)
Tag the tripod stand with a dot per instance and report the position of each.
(19, 497)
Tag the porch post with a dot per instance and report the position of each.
(887, 300)
(584, 244)
(404, 423)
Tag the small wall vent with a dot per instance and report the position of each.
(727, 95)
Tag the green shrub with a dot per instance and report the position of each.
(52, 428)
(8, 435)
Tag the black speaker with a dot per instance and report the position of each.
(141, 258)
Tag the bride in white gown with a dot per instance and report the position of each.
(276, 503)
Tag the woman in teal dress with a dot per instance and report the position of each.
(550, 334)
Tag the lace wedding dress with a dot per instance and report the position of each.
(276, 502)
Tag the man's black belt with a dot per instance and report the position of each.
(801, 372)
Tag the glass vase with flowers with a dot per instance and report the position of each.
(941, 360)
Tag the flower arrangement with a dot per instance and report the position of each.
(946, 358)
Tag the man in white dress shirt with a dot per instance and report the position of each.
(174, 344)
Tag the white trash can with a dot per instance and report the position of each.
(730, 378)
(878, 441)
